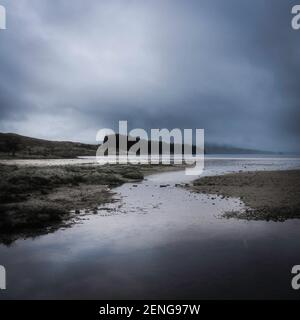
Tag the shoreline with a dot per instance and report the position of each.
(268, 195)
(35, 200)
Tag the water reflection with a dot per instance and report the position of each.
(160, 242)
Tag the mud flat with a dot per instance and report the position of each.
(268, 195)
(39, 199)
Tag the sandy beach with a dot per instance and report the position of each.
(268, 195)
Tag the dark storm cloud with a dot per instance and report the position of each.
(231, 67)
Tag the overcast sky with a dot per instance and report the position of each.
(69, 68)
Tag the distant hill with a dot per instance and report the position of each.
(17, 146)
(223, 149)
(14, 145)
(208, 149)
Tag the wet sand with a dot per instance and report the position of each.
(268, 195)
(40, 199)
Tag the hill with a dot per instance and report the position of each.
(14, 145)
(17, 146)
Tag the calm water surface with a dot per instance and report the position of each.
(161, 242)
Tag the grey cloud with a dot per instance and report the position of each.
(230, 67)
